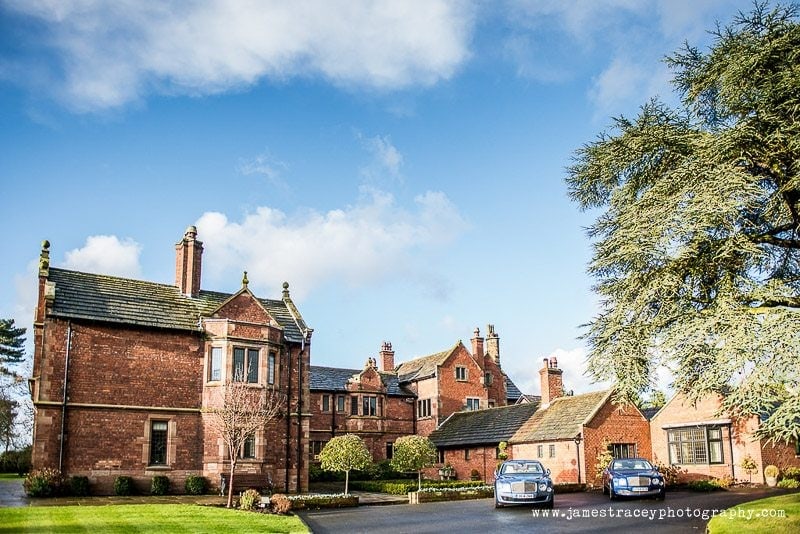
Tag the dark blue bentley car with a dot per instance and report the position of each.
(523, 482)
(632, 477)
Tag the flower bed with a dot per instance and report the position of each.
(318, 500)
(450, 494)
(403, 487)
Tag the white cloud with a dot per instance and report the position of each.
(266, 165)
(358, 245)
(385, 153)
(112, 53)
(106, 254)
(572, 362)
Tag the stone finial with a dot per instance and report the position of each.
(245, 281)
(44, 259)
(191, 232)
(286, 290)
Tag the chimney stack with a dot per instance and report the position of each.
(551, 381)
(477, 347)
(188, 261)
(387, 357)
(492, 344)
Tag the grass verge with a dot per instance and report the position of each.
(162, 518)
(760, 516)
(9, 477)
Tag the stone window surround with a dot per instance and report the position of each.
(171, 441)
(264, 347)
(706, 443)
(461, 373)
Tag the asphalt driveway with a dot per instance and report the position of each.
(681, 511)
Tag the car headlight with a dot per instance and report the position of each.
(657, 482)
(620, 482)
(504, 487)
(542, 486)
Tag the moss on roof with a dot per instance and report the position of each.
(562, 419)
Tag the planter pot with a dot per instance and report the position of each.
(772, 481)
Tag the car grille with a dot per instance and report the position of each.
(638, 481)
(523, 487)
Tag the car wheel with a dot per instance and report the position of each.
(549, 504)
(611, 495)
(661, 495)
(497, 504)
(605, 490)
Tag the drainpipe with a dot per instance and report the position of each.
(577, 441)
(64, 398)
(730, 442)
(288, 414)
(300, 408)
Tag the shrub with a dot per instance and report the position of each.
(317, 474)
(159, 485)
(311, 501)
(771, 471)
(79, 486)
(280, 504)
(46, 482)
(706, 485)
(195, 485)
(792, 473)
(789, 483)
(123, 485)
(249, 499)
(671, 473)
(18, 461)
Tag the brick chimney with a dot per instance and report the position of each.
(552, 385)
(492, 344)
(387, 357)
(188, 261)
(477, 347)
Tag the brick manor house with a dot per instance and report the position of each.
(123, 369)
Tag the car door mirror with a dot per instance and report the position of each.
(547, 472)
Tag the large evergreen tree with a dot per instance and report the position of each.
(697, 242)
(11, 345)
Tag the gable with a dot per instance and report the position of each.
(563, 419)
(460, 357)
(243, 307)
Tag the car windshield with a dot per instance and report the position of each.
(529, 468)
(632, 464)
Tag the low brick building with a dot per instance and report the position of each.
(703, 444)
(568, 432)
(123, 369)
(468, 441)
(384, 401)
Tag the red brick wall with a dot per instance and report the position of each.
(562, 465)
(779, 454)
(614, 424)
(481, 458)
(453, 393)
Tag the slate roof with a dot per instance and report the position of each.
(334, 379)
(111, 299)
(648, 413)
(424, 366)
(563, 419)
(512, 391)
(476, 427)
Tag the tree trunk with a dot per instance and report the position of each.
(230, 485)
(346, 481)
(419, 480)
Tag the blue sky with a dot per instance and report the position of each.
(400, 164)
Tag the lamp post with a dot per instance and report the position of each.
(577, 441)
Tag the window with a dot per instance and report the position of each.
(540, 451)
(389, 450)
(695, 445)
(271, 368)
(552, 451)
(473, 404)
(487, 379)
(424, 408)
(353, 405)
(622, 450)
(440, 456)
(340, 403)
(215, 367)
(461, 373)
(315, 447)
(466, 454)
(797, 447)
(248, 447)
(369, 405)
(158, 442)
(326, 403)
(245, 368)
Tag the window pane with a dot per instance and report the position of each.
(326, 403)
(340, 403)
(158, 443)
(252, 366)
(353, 405)
(715, 452)
(238, 365)
(215, 369)
(271, 368)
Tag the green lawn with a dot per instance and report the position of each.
(145, 518)
(9, 477)
(760, 516)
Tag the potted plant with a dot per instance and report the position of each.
(446, 471)
(771, 473)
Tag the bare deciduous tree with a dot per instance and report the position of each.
(238, 411)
